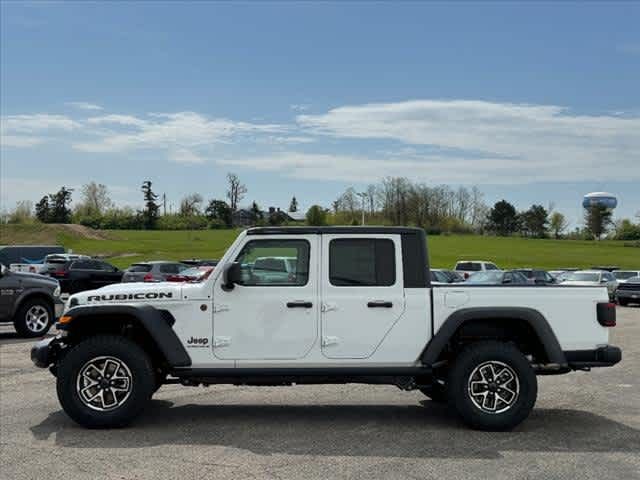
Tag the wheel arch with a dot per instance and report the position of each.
(150, 326)
(33, 294)
(496, 322)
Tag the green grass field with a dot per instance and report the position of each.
(124, 247)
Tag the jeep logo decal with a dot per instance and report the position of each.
(198, 342)
(129, 296)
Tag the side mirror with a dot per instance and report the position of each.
(3, 270)
(231, 275)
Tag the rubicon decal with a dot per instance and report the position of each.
(130, 296)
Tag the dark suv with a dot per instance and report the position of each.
(30, 301)
(537, 277)
(86, 274)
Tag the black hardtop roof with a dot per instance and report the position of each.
(366, 230)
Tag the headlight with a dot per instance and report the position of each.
(56, 292)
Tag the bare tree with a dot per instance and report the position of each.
(236, 191)
(190, 205)
(94, 199)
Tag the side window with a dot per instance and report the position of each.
(274, 263)
(490, 266)
(362, 262)
(80, 265)
(169, 268)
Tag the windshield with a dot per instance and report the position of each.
(486, 277)
(624, 275)
(583, 277)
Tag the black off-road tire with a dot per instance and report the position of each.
(134, 359)
(472, 366)
(22, 323)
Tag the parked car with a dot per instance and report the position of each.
(31, 301)
(156, 271)
(273, 269)
(198, 262)
(193, 274)
(623, 276)
(26, 258)
(441, 275)
(593, 278)
(359, 310)
(498, 277)
(468, 267)
(538, 277)
(85, 274)
(54, 261)
(629, 291)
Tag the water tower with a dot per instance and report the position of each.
(600, 199)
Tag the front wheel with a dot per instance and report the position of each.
(492, 386)
(33, 318)
(105, 381)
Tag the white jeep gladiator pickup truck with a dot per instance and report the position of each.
(322, 305)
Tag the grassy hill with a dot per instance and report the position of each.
(124, 247)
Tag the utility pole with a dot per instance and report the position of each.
(363, 196)
(164, 204)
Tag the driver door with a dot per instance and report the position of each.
(272, 314)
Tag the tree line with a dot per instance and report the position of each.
(392, 201)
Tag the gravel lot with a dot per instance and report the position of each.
(585, 425)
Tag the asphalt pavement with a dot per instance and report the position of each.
(585, 425)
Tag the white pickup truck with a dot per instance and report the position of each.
(355, 305)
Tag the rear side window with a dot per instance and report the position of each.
(169, 268)
(81, 265)
(140, 268)
(468, 267)
(362, 262)
(490, 266)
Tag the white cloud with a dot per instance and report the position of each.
(182, 155)
(127, 120)
(30, 130)
(84, 105)
(299, 107)
(170, 131)
(538, 140)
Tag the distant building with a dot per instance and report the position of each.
(244, 217)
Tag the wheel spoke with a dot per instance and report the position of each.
(104, 383)
(493, 387)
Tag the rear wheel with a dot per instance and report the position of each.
(33, 318)
(623, 302)
(105, 381)
(492, 386)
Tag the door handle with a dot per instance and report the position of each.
(301, 304)
(380, 304)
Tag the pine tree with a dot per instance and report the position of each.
(43, 211)
(293, 206)
(151, 208)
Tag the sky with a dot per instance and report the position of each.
(531, 102)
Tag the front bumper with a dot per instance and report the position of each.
(600, 357)
(45, 352)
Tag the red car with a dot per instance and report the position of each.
(194, 274)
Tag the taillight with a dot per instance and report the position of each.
(148, 277)
(59, 273)
(606, 314)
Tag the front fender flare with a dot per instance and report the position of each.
(158, 323)
(532, 317)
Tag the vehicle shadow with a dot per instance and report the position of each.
(414, 431)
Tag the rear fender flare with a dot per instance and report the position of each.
(532, 317)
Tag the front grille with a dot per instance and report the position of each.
(629, 286)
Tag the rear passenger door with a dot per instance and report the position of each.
(362, 293)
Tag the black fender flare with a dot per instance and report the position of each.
(532, 317)
(157, 323)
(30, 292)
